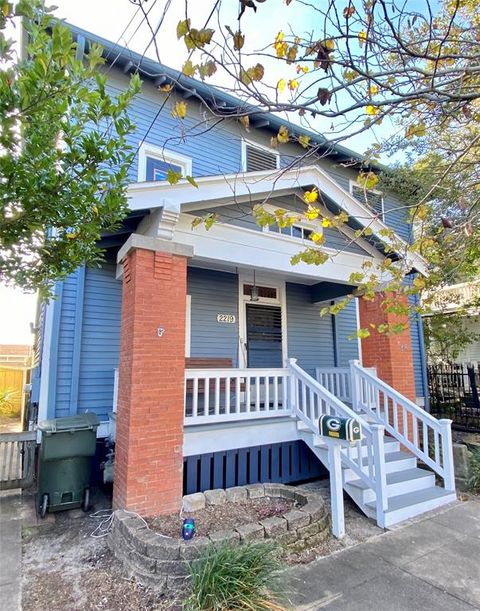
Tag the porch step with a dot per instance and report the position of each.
(405, 506)
(398, 482)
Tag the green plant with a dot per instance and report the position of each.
(240, 577)
(474, 468)
(8, 406)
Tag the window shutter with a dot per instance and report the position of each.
(260, 159)
(373, 199)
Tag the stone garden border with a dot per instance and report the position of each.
(161, 562)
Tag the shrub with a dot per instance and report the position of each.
(8, 407)
(474, 468)
(235, 577)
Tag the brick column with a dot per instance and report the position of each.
(149, 435)
(390, 354)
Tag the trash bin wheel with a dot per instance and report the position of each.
(42, 508)
(86, 500)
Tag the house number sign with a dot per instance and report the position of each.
(227, 318)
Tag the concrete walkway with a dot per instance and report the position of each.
(429, 565)
(10, 550)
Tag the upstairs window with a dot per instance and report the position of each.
(371, 197)
(155, 161)
(257, 157)
(294, 231)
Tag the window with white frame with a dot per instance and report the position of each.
(300, 229)
(155, 161)
(371, 197)
(256, 157)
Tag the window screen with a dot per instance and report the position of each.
(157, 169)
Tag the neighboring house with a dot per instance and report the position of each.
(184, 337)
(15, 366)
(462, 299)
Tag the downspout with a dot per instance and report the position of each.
(423, 357)
(334, 335)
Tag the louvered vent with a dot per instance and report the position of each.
(373, 199)
(260, 159)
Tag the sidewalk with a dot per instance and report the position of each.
(429, 565)
(11, 550)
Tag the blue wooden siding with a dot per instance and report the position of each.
(213, 293)
(215, 151)
(419, 364)
(310, 336)
(63, 349)
(100, 340)
(346, 325)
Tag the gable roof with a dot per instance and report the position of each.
(224, 103)
(223, 189)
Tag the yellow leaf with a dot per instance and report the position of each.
(317, 237)
(326, 222)
(293, 84)
(362, 37)
(183, 27)
(281, 85)
(416, 130)
(329, 44)
(282, 135)
(310, 197)
(71, 236)
(373, 89)
(245, 121)
(372, 110)
(188, 68)
(166, 88)
(179, 111)
(304, 141)
(301, 69)
(280, 45)
(312, 213)
(367, 180)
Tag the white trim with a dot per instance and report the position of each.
(262, 147)
(359, 341)
(354, 183)
(263, 183)
(45, 362)
(243, 300)
(188, 326)
(158, 152)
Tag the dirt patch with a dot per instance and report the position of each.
(222, 517)
(66, 569)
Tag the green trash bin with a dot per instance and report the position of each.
(65, 463)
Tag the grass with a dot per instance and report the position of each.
(474, 468)
(232, 578)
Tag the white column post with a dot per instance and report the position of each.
(378, 435)
(336, 488)
(292, 387)
(447, 455)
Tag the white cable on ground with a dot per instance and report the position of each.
(106, 517)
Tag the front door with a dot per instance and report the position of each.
(264, 335)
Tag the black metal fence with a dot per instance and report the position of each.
(454, 393)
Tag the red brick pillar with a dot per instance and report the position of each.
(149, 434)
(390, 354)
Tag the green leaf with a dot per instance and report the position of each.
(192, 181)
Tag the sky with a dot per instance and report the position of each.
(117, 20)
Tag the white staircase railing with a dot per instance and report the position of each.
(309, 400)
(336, 380)
(425, 436)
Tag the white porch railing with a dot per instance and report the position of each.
(310, 400)
(336, 380)
(219, 395)
(425, 436)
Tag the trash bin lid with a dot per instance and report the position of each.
(80, 422)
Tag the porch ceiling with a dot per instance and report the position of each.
(221, 190)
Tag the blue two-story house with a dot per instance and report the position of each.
(203, 352)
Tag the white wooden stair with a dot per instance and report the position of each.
(410, 490)
(381, 472)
